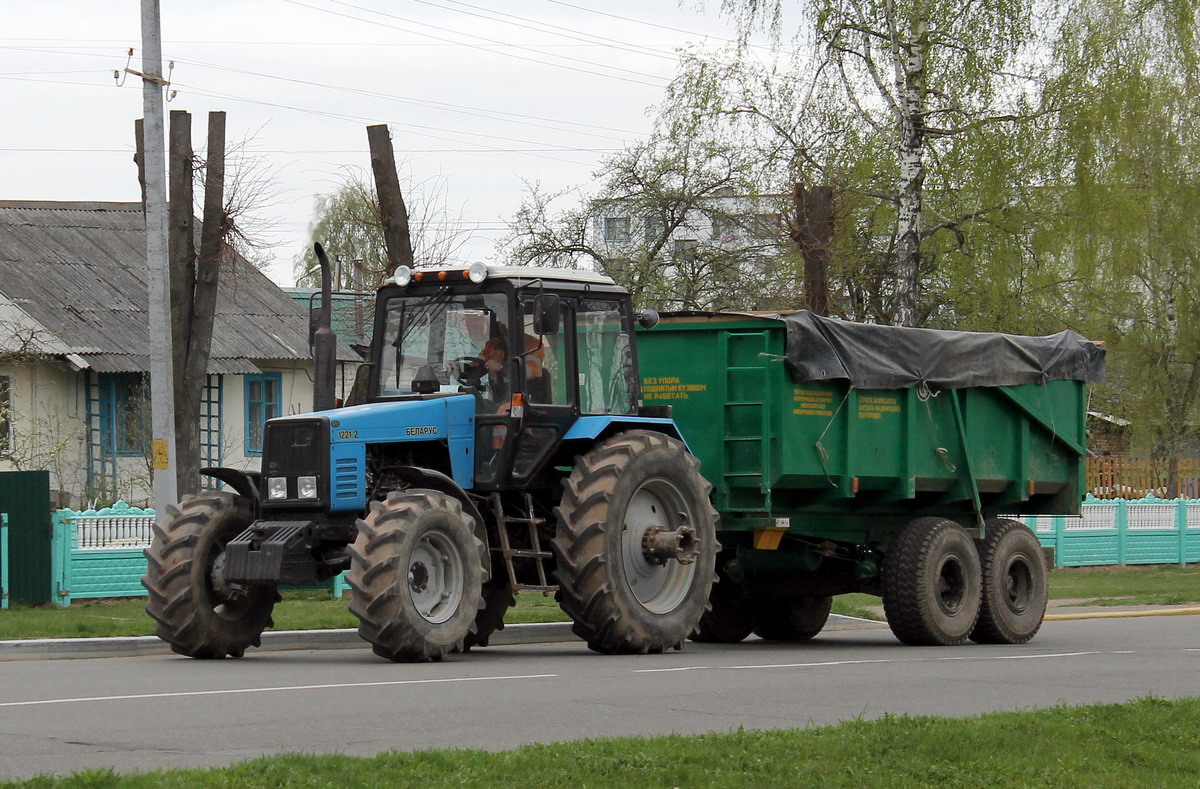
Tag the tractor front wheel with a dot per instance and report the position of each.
(416, 576)
(636, 544)
(199, 614)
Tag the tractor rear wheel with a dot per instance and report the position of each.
(931, 583)
(416, 575)
(197, 613)
(1015, 584)
(636, 544)
(792, 618)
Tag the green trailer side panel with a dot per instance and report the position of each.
(821, 451)
(25, 496)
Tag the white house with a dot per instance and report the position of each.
(74, 353)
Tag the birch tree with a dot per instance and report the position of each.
(916, 73)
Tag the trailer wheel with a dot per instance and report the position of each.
(931, 583)
(635, 545)
(1015, 584)
(497, 599)
(197, 613)
(416, 576)
(728, 621)
(792, 618)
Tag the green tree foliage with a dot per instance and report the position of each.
(349, 224)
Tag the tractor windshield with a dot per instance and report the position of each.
(447, 337)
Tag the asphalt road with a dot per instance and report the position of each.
(160, 712)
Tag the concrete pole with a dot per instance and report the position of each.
(162, 389)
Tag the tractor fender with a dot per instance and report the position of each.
(597, 428)
(244, 483)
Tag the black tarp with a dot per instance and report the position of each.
(894, 357)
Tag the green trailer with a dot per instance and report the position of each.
(855, 458)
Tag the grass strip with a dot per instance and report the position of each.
(1098, 586)
(1148, 742)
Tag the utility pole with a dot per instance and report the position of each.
(162, 389)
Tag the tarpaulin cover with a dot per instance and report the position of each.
(895, 357)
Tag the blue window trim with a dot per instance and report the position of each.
(114, 405)
(261, 407)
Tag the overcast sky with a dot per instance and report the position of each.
(479, 95)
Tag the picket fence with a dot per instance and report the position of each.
(98, 553)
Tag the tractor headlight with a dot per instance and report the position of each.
(306, 487)
(402, 276)
(277, 487)
(477, 272)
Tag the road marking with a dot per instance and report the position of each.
(677, 668)
(911, 660)
(1121, 614)
(858, 619)
(280, 689)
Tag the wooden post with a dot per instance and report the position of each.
(391, 201)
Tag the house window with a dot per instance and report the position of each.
(766, 226)
(616, 228)
(125, 410)
(5, 413)
(653, 229)
(686, 248)
(263, 402)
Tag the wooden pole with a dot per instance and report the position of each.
(391, 201)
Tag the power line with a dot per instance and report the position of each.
(477, 46)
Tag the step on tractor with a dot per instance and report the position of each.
(525, 430)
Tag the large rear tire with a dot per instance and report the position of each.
(626, 503)
(931, 583)
(198, 614)
(792, 618)
(1015, 584)
(416, 575)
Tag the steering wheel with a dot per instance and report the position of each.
(471, 371)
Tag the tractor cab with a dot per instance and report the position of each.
(536, 349)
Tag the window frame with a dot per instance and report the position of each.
(618, 229)
(261, 406)
(6, 414)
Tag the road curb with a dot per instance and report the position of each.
(1123, 614)
(285, 640)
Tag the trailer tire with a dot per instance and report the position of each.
(931, 583)
(196, 615)
(620, 494)
(416, 550)
(729, 620)
(1015, 584)
(792, 618)
(497, 599)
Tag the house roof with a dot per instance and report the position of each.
(74, 275)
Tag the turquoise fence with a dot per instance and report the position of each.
(99, 553)
(1116, 531)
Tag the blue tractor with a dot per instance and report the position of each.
(498, 445)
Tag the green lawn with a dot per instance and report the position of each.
(1159, 585)
(1149, 742)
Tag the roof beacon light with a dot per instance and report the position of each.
(403, 275)
(477, 272)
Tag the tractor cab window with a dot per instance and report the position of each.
(545, 369)
(445, 342)
(607, 379)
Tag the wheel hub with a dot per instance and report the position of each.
(659, 545)
(951, 586)
(418, 577)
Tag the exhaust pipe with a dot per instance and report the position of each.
(324, 346)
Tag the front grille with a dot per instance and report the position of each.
(291, 448)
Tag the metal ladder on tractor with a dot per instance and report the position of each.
(526, 530)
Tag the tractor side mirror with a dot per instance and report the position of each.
(647, 319)
(547, 313)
